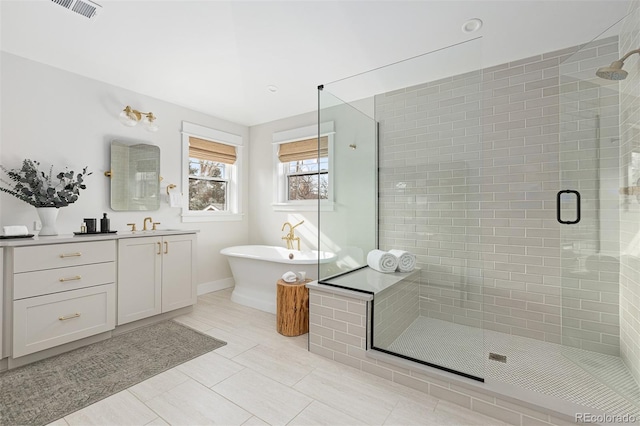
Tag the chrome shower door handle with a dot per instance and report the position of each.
(559, 208)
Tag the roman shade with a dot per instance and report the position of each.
(212, 151)
(306, 149)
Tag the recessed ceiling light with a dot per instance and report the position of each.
(472, 25)
(272, 88)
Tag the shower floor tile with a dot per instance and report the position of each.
(588, 378)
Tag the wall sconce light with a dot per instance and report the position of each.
(130, 117)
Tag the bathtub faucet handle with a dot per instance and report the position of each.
(293, 237)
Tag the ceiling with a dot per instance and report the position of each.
(218, 57)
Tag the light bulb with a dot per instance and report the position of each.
(149, 123)
(130, 117)
(126, 119)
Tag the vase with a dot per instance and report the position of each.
(48, 217)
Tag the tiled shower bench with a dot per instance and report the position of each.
(341, 324)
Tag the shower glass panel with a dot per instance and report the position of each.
(348, 220)
(428, 198)
(517, 187)
(598, 276)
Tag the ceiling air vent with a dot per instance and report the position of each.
(86, 8)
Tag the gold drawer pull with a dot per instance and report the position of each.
(76, 315)
(77, 254)
(166, 247)
(159, 248)
(76, 278)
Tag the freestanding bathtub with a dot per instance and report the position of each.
(257, 269)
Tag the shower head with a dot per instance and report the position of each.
(615, 71)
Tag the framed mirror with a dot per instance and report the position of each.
(135, 176)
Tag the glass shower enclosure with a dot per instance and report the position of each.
(515, 185)
(410, 170)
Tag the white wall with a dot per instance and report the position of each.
(63, 119)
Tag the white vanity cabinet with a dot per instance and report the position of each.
(61, 293)
(155, 275)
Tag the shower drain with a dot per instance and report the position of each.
(497, 357)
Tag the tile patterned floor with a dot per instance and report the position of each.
(584, 377)
(263, 378)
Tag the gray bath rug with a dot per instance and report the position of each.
(39, 393)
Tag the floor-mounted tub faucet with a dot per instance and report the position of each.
(291, 237)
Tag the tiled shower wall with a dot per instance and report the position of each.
(469, 171)
(630, 214)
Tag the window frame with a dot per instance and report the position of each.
(280, 181)
(234, 195)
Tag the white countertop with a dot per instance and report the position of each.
(71, 238)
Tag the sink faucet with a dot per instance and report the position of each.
(291, 237)
(144, 224)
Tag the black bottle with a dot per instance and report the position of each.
(104, 223)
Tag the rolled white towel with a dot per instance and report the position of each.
(14, 230)
(406, 260)
(382, 261)
(289, 277)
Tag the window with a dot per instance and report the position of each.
(209, 164)
(303, 172)
(212, 160)
(306, 168)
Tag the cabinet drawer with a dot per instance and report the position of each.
(30, 284)
(36, 258)
(46, 321)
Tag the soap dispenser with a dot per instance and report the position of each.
(104, 223)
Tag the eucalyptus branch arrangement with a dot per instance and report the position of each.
(34, 187)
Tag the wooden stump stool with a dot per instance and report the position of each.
(292, 313)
